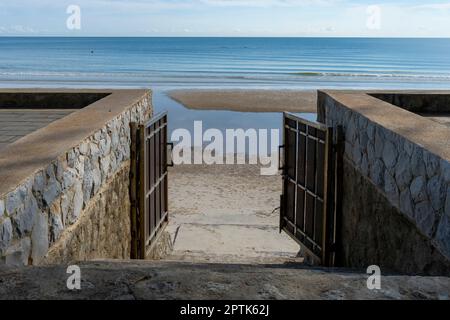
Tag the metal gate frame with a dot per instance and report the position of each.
(149, 183)
(316, 230)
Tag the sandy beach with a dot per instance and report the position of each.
(226, 213)
(247, 100)
(230, 213)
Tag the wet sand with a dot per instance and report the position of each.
(247, 100)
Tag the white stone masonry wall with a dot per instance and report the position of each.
(36, 213)
(412, 178)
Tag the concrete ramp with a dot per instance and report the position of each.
(227, 214)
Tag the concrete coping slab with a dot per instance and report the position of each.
(23, 158)
(420, 130)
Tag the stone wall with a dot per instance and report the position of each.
(408, 177)
(103, 229)
(376, 232)
(77, 207)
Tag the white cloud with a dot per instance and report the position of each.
(17, 29)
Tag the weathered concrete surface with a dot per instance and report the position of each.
(175, 280)
(427, 133)
(442, 118)
(226, 213)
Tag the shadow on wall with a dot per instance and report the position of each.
(48, 100)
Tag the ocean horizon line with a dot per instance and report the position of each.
(223, 37)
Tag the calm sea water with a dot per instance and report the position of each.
(168, 63)
(164, 63)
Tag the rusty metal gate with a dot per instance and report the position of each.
(309, 201)
(149, 183)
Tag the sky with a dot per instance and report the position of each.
(271, 18)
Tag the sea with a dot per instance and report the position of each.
(163, 64)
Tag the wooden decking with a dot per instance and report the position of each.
(17, 123)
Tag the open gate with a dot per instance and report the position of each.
(149, 183)
(309, 201)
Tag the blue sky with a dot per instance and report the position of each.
(399, 18)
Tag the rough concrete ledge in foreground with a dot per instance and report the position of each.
(56, 180)
(175, 280)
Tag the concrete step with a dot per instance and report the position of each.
(229, 242)
(182, 280)
(263, 258)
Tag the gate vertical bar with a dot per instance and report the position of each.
(305, 200)
(338, 189)
(133, 192)
(283, 173)
(141, 189)
(297, 140)
(328, 195)
(166, 168)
